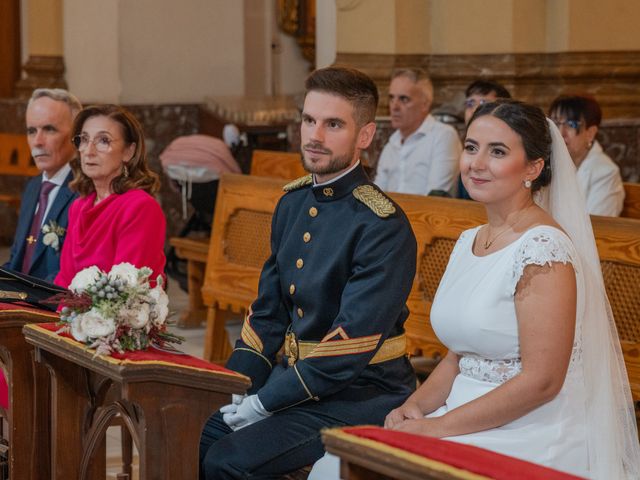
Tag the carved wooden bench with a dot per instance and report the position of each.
(241, 245)
(268, 163)
(264, 163)
(372, 453)
(631, 207)
(15, 159)
(163, 398)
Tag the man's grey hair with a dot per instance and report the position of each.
(416, 75)
(60, 95)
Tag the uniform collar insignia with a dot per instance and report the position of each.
(343, 186)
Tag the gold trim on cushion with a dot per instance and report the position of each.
(404, 455)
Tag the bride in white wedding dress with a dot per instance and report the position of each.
(534, 368)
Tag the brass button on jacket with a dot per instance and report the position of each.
(299, 263)
(313, 211)
(306, 237)
(292, 289)
(300, 312)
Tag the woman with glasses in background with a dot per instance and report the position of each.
(115, 219)
(578, 118)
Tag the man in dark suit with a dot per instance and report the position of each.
(42, 223)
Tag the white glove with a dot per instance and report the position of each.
(249, 411)
(232, 408)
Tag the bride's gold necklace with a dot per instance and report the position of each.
(488, 243)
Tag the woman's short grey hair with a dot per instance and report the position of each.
(60, 95)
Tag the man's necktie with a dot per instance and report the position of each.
(34, 232)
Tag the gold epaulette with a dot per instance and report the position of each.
(298, 183)
(375, 200)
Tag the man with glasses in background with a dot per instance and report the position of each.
(578, 118)
(422, 155)
(42, 222)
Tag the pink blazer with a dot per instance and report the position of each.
(128, 227)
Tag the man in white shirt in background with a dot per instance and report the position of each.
(422, 155)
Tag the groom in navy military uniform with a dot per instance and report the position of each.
(42, 223)
(333, 292)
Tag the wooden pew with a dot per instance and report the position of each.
(241, 244)
(268, 163)
(264, 163)
(239, 247)
(28, 416)
(15, 159)
(631, 207)
(618, 241)
(437, 223)
(195, 251)
(164, 403)
(372, 453)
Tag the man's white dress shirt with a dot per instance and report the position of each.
(427, 160)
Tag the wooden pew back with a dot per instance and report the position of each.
(15, 156)
(437, 223)
(268, 163)
(240, 245)
(15, 159)
(618, 241)
(631, 207)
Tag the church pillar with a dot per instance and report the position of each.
(45, 64)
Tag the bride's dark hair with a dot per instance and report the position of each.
(530, 123)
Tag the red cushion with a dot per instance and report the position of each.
(153, 355)
(466, 457)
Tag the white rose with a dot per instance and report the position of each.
(76, 330)
(95, 325)
(51, 239)
(84, 278)
(138, 317)
(127, 273)
(161, 305)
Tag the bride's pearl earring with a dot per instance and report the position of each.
(527, 183)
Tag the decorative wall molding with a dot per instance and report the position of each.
(612, 77)
(42, 71)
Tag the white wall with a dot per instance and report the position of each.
(153, 51)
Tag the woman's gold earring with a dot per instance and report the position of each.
(527, 183)
(125, 171)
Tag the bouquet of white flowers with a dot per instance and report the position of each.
(116, 311)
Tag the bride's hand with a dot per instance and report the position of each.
(432, 427)
(409, 410)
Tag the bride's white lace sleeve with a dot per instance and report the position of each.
(541, 246)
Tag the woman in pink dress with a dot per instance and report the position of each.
(116, 219)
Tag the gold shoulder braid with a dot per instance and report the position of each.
(375, 200)
(298, 183)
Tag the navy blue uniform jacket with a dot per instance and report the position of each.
(339, 274)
